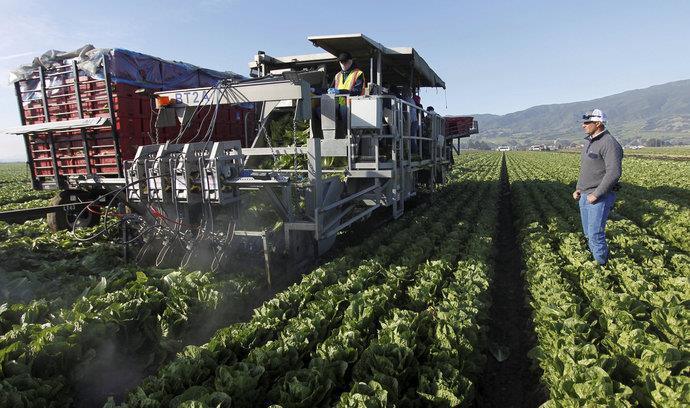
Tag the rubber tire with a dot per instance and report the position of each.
(62, 220)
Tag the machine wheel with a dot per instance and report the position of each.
(72, 218)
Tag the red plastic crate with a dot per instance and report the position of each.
(458, 125)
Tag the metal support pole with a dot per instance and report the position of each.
(315, 179)
(125, 234)
(395, 159)
(267, 262)
(371, 68)
(44, 95)
(377, 162)
(20, 103)
(379, 71)
(113, 131)
(77, 93)
(54, 161)
(77, 96)
(403, 184)
(30, 162)
(246, 130)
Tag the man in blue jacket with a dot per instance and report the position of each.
(600, 169)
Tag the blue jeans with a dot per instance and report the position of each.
(594, 222)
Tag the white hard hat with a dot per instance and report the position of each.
(596, 115)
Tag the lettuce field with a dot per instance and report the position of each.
(482, 294)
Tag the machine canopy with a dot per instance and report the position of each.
(401, 66)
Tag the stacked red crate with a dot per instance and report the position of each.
(458, 125)
(134, 126)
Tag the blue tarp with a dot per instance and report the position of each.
(125, 66)
(150, 72)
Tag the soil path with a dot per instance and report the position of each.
(512, 382)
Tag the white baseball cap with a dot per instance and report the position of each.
(596, 115)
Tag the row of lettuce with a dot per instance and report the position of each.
(44, 271)
(655, 194)
(395, 321)
(664, 152)
(299, 349)
(614, 335)
(72, 314)
(16, 191)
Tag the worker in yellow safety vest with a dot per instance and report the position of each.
(350, 80)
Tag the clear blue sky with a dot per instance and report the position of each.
(495, 56)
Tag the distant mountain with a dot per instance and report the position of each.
(660, 111)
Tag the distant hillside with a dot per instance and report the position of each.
(660, 111)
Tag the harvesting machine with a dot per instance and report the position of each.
(298, 167)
